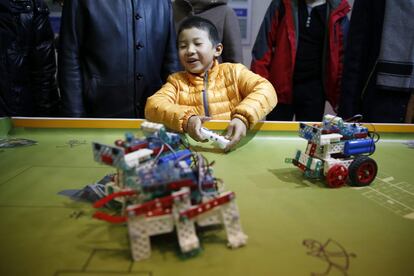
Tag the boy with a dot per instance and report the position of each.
(222, 16)
(299, 49)
(209, 90)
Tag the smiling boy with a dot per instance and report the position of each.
(209, 90)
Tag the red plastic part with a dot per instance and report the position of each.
(109, 218)
(301, 166)
(337, 176)
(136, 147)
(108, 198)
(312, 150)
(155, 151)
(361, 135)
(107, 159)
(119, 143)
(155, 206)
(207, 206)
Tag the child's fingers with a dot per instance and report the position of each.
(199, 136)
(204, 119)
(194, 129)
(196, 136)
(230, 130)
(233, 142)
(238, 131)
(235, 138)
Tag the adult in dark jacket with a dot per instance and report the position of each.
(361, 93)
(299, 49)
(222, 16)
(27, 60)
(113, 55)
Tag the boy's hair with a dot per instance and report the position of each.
(202, 24)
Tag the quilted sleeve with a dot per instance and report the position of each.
(162, 107)
(258, 97)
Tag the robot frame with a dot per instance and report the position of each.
(163, 188)
(338, 151)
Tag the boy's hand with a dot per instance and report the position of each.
(235, 131)
(193, 127)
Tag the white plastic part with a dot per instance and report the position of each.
(212, 136)
(133, 159)
(151, 127)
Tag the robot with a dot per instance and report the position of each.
(161, 187)
(338, 151)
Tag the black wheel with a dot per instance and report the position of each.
(362, 171)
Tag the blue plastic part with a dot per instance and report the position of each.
(176, 155)
(174, 138)
(154, 181)
(129, 137)
(351, 130)
(348, 130)
(361, 146)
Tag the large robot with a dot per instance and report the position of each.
(161, 187)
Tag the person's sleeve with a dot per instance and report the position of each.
(43, 64)
(162, 107)
(265, 41)
(232, 50)
(170, 63)
(70, 70)
(258, 97)
(354, 60)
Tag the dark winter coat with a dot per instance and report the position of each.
(113, 55)
(363, 47)
(274, 52)
(27, 60)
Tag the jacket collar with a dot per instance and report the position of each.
(197, 79)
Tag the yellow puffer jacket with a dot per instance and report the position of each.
(233, 91)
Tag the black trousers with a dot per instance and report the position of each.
(308, 104)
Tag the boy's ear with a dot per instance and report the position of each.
(219, 50)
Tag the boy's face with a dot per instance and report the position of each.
(196, 51)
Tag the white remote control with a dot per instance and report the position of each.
(212, 136)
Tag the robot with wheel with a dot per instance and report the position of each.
(338, 151)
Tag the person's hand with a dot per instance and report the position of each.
(194, 124)
(235, 131)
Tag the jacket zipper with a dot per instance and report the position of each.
(205, 99)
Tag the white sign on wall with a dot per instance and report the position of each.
(243, 10)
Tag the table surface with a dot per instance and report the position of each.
(355, 231)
